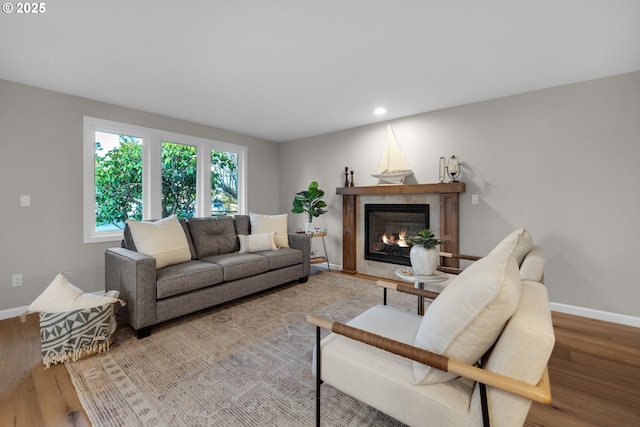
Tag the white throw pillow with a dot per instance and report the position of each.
(62, 296)
(469, 315)
(257, 242)
(518, 244)
(261, 224)
(164, 240)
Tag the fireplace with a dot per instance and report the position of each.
(387, 225)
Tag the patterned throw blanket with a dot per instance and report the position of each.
(72, 334)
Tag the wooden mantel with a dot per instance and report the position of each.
(449, 233)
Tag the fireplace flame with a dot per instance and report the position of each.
(398, 240)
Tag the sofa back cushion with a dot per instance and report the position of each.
(243, 225)
(213, 236)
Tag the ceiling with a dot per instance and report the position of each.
(282, 70)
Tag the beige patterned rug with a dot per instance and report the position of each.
(246, 363)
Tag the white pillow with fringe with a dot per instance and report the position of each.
(257, 242)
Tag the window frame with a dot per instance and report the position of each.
(152, 140)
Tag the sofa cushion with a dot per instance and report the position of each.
(128, 242)
(271, 223)
(518, 244)
(468, 316)
(62, 296)
(213, 236)
(188, 276)
(257, 242)
(164, 240)
(237, 266)
(284, 257)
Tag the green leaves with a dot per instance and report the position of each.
(424, 238)
(309, 202)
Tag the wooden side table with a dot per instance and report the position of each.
(325, 257)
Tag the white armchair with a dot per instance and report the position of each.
(423, 370)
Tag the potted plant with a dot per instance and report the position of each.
(309, 202)
(424, 254)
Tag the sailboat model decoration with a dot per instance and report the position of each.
(393, 167)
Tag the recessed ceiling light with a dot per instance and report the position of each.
(379, 111)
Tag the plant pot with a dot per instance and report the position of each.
(308, 227)
(424, 261)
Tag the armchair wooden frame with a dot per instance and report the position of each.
(540, 392)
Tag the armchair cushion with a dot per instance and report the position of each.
(469, 315)
(518, 244)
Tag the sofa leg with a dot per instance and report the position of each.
(303, 279)
(143, 332)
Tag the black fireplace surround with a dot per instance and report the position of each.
(387, 225)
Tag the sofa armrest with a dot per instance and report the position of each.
(302, 242)
(134, 275)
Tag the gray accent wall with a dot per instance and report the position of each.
(562, 162)
(41, 156)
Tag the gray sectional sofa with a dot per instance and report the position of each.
(216, 273)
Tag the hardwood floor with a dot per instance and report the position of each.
(594, 372)
(595, 375)
(30, 395)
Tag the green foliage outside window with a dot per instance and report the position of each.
(118, 176)
(179, 174)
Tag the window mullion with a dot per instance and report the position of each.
(204, 180)
(152, 178)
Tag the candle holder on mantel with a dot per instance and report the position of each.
(453, 168)
(441, 172)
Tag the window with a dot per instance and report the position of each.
(141, 173)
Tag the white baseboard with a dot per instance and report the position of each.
(12, 312)
(622, 319)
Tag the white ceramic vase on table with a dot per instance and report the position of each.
(424, 261)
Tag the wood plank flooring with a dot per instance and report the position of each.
(594, 372)
(595, 375)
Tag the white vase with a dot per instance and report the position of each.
(424, 261)
(308, 227)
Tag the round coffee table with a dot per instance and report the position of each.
(408, 275)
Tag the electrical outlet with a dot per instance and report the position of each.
(16, 280)
(474, 199)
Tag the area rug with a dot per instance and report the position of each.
(245, 363)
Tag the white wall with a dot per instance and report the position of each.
(560, 162)
(41, 156)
